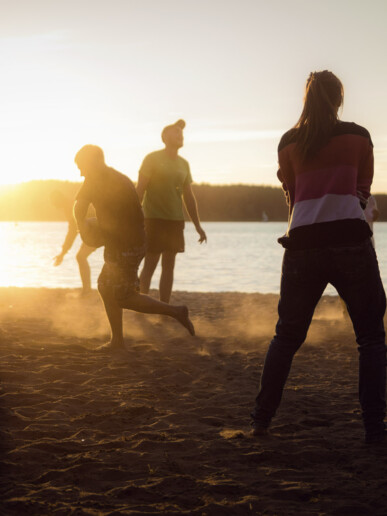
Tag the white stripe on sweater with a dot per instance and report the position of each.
(328, 208)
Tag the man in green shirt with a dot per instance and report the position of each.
(164, 182)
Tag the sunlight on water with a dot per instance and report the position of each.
(239, 256)
(28, 249)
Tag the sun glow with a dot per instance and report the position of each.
(134, 67)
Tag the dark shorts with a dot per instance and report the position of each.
(120, 272)
(164, 235)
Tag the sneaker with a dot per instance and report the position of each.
(260, 423)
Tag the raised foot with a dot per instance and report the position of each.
(183, 318)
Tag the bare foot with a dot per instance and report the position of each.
(183, 318)
(112, 345)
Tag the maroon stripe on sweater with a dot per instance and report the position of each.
(339, 180)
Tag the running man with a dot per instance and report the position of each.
(121, 222)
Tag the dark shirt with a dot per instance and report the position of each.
(117, 208)
(325, 191)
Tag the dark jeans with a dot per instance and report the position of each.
(354, 272)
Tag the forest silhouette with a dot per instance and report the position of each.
(31, 201)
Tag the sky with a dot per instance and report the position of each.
(113, 73)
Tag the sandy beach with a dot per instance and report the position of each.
(164, 427)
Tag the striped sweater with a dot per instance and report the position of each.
(324, 192)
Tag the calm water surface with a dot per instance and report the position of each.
(239, 256)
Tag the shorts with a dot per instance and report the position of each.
(164, 235)
(120, 272)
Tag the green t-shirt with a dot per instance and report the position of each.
(167, 178)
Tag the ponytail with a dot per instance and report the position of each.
(323, 96)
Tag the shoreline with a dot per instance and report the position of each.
(164, 427)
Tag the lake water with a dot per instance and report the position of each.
(239, 256)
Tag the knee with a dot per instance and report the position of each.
(290, 336)
(151, 261)
(370, 332)
(80, 258)
(286, 345)
(104, 291)
(372, 345)
(126, 299)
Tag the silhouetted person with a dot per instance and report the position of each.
(164, 180)
(65, 205)
(121, 223)
(326, 170)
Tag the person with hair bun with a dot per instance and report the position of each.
(164, 182)
(326, 171)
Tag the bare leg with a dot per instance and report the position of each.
(149, 305)
(150, 263)
(84, 268)
(114, 314)
(166, 278)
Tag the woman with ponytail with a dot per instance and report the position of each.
(326, 171)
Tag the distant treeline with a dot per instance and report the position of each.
(32, 202)
(240, 202)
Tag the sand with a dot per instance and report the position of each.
(164, 427)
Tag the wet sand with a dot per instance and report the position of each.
(164, 427)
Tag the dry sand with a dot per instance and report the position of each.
(164, 428)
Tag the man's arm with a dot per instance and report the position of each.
(192, 209)
(142, 184)
(68, 241)
(80, 211)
